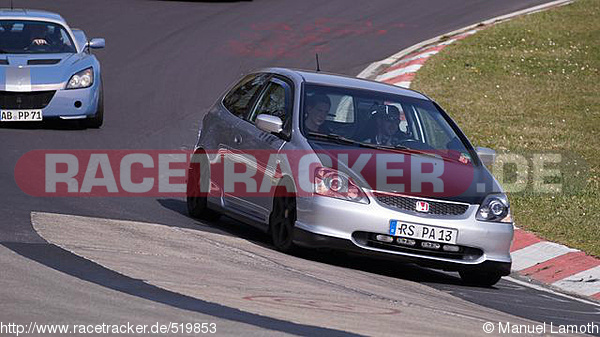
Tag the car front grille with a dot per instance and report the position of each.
(25, 100)
(409, 204)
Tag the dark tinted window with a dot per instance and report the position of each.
(238, 101)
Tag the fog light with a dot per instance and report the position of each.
(450, 248)
(404, 241)
(430, 245)
(384, 238)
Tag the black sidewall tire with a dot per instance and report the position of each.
(197, 206)
(97, 120)
(480, 278)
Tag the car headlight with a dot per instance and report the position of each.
(495, 207)
(82, 79)
(335, 184)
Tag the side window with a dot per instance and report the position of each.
(435, 134)
(238, 101)
(64, 38)
(272, 102)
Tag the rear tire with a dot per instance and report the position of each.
(197, 204)
(281, 223)
(480, 278)
(97, 120)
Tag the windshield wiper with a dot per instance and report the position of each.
(407, 149)
(341, 139)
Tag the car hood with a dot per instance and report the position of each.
(34, 72)
(461, 181)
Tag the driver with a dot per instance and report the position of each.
(387, 131)
(38, 35)
(317, 108)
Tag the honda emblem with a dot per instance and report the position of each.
(422, 206)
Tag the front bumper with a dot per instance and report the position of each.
(73, 104)
(55, 102)
(331, 223)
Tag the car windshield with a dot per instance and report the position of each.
(377, 119)
(34, 37)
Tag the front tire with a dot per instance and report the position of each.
(281, 223)
(197, 204)
(480, 278)
(97, 120)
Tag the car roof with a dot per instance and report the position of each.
(330, 79)
(30, 14)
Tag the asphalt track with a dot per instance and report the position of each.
(165, 63)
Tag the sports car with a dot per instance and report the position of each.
(47, 70)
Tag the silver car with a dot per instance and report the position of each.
(328, 161)
(47, 70)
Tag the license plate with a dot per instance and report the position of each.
(20, 115)
(423, 232)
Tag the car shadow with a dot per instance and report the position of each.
(206, 1)
(47, 125)
(385, 267)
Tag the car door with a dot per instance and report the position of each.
(236, 105)
(277, 100)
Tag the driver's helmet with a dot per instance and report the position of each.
(386, 111)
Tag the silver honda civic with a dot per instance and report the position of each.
(332, 162)
(47, 70)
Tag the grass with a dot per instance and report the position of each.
(531, 86)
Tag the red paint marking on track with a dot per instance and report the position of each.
(523, 239)
(596, 296)
(401, 78)
(561, 267)
(283, 39)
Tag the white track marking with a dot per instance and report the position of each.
(586, 283)
(410, 69)
(537, 253)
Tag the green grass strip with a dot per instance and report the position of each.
(530, 88)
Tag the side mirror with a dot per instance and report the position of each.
(487, 155)
(269, 123)
(97, 43)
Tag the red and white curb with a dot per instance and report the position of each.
(562, 268)
(403, 71)
(566, 269)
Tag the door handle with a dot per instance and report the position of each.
(237, 139)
